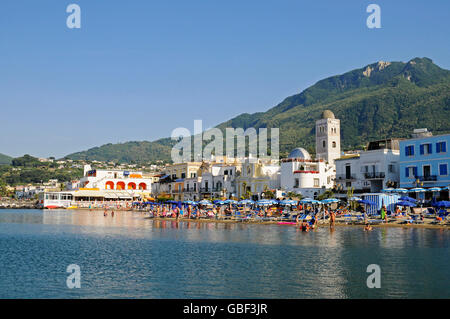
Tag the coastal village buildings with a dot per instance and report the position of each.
(300, 173)
(425, 161)
(371, 170)
(328, 137)
(256, 177)
(115, 180)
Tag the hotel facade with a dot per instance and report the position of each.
(425, 160)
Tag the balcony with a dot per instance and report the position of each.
(374, 175)
(427, 178)
(210, 190)
(345, 177)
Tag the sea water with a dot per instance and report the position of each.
(131, 256)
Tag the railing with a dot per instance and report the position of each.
(427, 178)
(374, 175)
(210, 190)
(345, 176)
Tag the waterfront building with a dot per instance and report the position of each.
(217, 180)
(87, 198)
(328, 137)
(117, 180)
(425, 160)
(257, 176)
(303, 175)
(371, 170)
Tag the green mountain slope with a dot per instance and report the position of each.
(5, 159)
(384, 99)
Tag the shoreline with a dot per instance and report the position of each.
(321, 224)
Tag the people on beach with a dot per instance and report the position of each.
(332, 218)
(367, 227)
(105, 213)
(112, 213)
(304, 226)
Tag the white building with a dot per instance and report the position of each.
(370, 170)
(303, 175)
(115, 180)
(328, 137)
(257, 176)
(311, 177)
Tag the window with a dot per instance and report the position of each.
(183, 175)
(348, 184)
(426, 170)
(391, 168)
(195, 187)
(443, 169)
(316, 182)
(225, 172)
(426, 149)
(409, 150)
(323, 144)
(334, 144)
(296, 184)
(411, 171)
(441, 147)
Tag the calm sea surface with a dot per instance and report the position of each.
(128, 256)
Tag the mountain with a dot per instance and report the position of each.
(383, 99)
(5, 159)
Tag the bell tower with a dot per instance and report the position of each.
(328, 137)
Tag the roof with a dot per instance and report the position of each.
(346, 157)
(299, 153)
(327, 114)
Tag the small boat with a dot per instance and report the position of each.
(52, 207)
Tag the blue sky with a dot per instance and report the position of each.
(138, 69)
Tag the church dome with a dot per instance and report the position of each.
(300, 153)
(327, 114)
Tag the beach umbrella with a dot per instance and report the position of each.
(246, 202)
(288, 202)
(204, 202)
(354, 198)
(189, 202)
(387, 190)
(408, 199)
(306, 200)
(265, 202)
(219, 202)
(417, 190)
(446, 188)
(230, 201)
(330, 200)
(406, 203)
(444, 204)
(434, 189)
(400, 190)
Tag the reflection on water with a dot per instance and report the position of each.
(129, 255)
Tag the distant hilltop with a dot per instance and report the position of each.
(383, 99)
(5, 159)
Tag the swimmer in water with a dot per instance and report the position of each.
(305, 226)
(367, 227)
